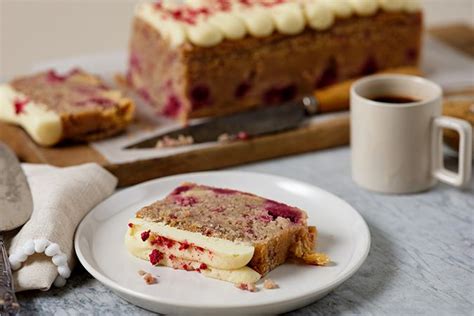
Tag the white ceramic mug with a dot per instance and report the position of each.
(397, 147)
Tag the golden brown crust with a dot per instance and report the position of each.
(275, 251)
(95, 125)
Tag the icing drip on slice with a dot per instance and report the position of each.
(42, 124)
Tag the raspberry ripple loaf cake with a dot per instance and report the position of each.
(75, 106)
(224, 234)
(215, 57)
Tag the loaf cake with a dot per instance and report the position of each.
(222, 233)
(54, 107)
(214, 57)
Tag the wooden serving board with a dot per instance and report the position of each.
(319, 135)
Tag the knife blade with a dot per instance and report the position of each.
(16, 203)
(253, 123)
(16, 206)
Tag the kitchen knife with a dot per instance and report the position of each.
(16, 206)
(266, 120)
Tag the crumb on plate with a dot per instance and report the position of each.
(150, 279)
(246, 287)
(318, 259)
(270, 284)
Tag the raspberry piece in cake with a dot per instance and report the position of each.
(272, 230)
(145, 235)
(155, 257)
(206, 58)
(75, 106)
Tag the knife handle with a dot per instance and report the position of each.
(336, 97)
(8, 302)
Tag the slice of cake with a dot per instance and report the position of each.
(214, 57)
(222, 233)
(54, 107)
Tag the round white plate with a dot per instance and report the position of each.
(343, 234)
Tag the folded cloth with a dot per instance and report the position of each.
(42, 251)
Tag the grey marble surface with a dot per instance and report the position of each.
(421, 260)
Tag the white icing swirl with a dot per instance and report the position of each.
(318, 15)
(288, 18)
(258, 21)
(208, 22)
(204, 34)
(341, 8)
(391, 6)
(364, 7)
(229, 24)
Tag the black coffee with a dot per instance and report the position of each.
(394, 99)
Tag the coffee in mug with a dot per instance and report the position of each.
(396, 135)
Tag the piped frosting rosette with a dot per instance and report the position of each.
(207, 23)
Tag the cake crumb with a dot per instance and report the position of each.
(141, 272)
(246, 287)
(223, 138)
(315, 258)
(167, 141)
(270, 284)
(226, 138)
(150, 279)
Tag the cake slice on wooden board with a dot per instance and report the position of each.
(75, 106)
(225, 234)
(215, 57)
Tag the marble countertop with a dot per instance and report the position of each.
(421, 259)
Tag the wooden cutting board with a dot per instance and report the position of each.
(319, 135)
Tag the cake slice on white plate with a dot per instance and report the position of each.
(222, 233)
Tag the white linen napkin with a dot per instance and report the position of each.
(42, 251)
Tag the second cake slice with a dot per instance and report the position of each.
(75, 106)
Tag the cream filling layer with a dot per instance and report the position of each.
(256, 17)
(215, 252)
(42, 124)
(137, 247)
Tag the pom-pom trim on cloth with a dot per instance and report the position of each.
(50, 249)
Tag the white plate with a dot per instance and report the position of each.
(343, 235)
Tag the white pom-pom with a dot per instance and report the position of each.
(41, 244)
(59, 281)
(52, 250)
(64, 271)
(29, 247)
(60, 259)
(19, 256)
(15, 264)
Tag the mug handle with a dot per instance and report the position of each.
(462, 177)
